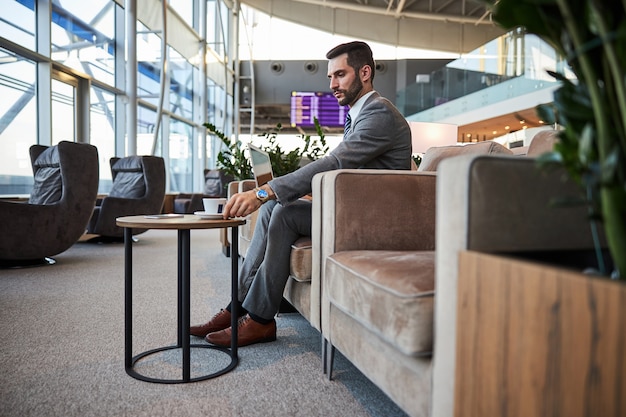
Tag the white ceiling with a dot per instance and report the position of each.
(457, 26)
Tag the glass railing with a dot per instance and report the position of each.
(443, 86)
(514, 56)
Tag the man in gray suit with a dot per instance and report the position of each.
(376, 136)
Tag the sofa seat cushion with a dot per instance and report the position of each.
(389, 292)
(301, 261)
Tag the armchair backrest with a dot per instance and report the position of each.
(128, 177)
(139, 176)
(47, 181)
(216, 182)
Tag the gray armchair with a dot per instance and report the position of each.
(215, 185)
(59, 207)
(138, 188)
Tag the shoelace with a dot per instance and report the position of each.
(222, 312)
(242, 320)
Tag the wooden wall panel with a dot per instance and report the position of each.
(533, 340)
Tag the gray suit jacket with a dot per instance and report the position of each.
(380, 138)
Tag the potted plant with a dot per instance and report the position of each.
(285, 162)
(234, 160)
(591, 35)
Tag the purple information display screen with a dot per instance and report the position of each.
(305, 106)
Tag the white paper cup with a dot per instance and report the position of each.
(214, 205)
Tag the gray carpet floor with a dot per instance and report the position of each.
(62, 343)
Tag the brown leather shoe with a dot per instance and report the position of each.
(218, 322)
(248, 332)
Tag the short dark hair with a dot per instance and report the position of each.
(359, 55)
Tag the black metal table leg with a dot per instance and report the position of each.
(184, 304)
(185, 298)
(234, 285)
(179, 271)
(128, 298)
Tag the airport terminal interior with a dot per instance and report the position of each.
(429, 291)
(70, 70)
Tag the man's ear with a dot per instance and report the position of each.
(366, 73)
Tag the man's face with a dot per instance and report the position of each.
(344, 82)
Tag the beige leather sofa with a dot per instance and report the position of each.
(501, 205)
(389, 293)
(371, 263)
(303, 289)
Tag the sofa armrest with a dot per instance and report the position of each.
(493, 204)
(368, 209)
(245, 231)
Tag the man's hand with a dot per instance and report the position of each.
(241, 204)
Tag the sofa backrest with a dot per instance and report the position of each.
(542, 142)
(435, 155)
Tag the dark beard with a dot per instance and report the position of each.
(352, 92)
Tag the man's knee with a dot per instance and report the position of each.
(288, 217)
(266, 212)
(267, 208)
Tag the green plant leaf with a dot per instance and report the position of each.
(547, 113)
(591, 35)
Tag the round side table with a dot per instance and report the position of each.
(183, 224)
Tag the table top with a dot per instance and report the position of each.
(188, 221)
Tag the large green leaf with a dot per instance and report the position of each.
(591, 35)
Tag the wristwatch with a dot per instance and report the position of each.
(261, 195)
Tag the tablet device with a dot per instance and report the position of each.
(261, 165)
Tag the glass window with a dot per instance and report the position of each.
(18, 25)
(102, 135)
(217, 16)
(181, 161)
(181, 85)
(224, 27)
(540, 57)
(18, 122)
(63, 111)
(82, 37)
(146, 123)
(184, 8)
(149, 65)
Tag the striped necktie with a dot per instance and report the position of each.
(346, 126)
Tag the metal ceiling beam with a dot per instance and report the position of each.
(436, 16)
(439, 25)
